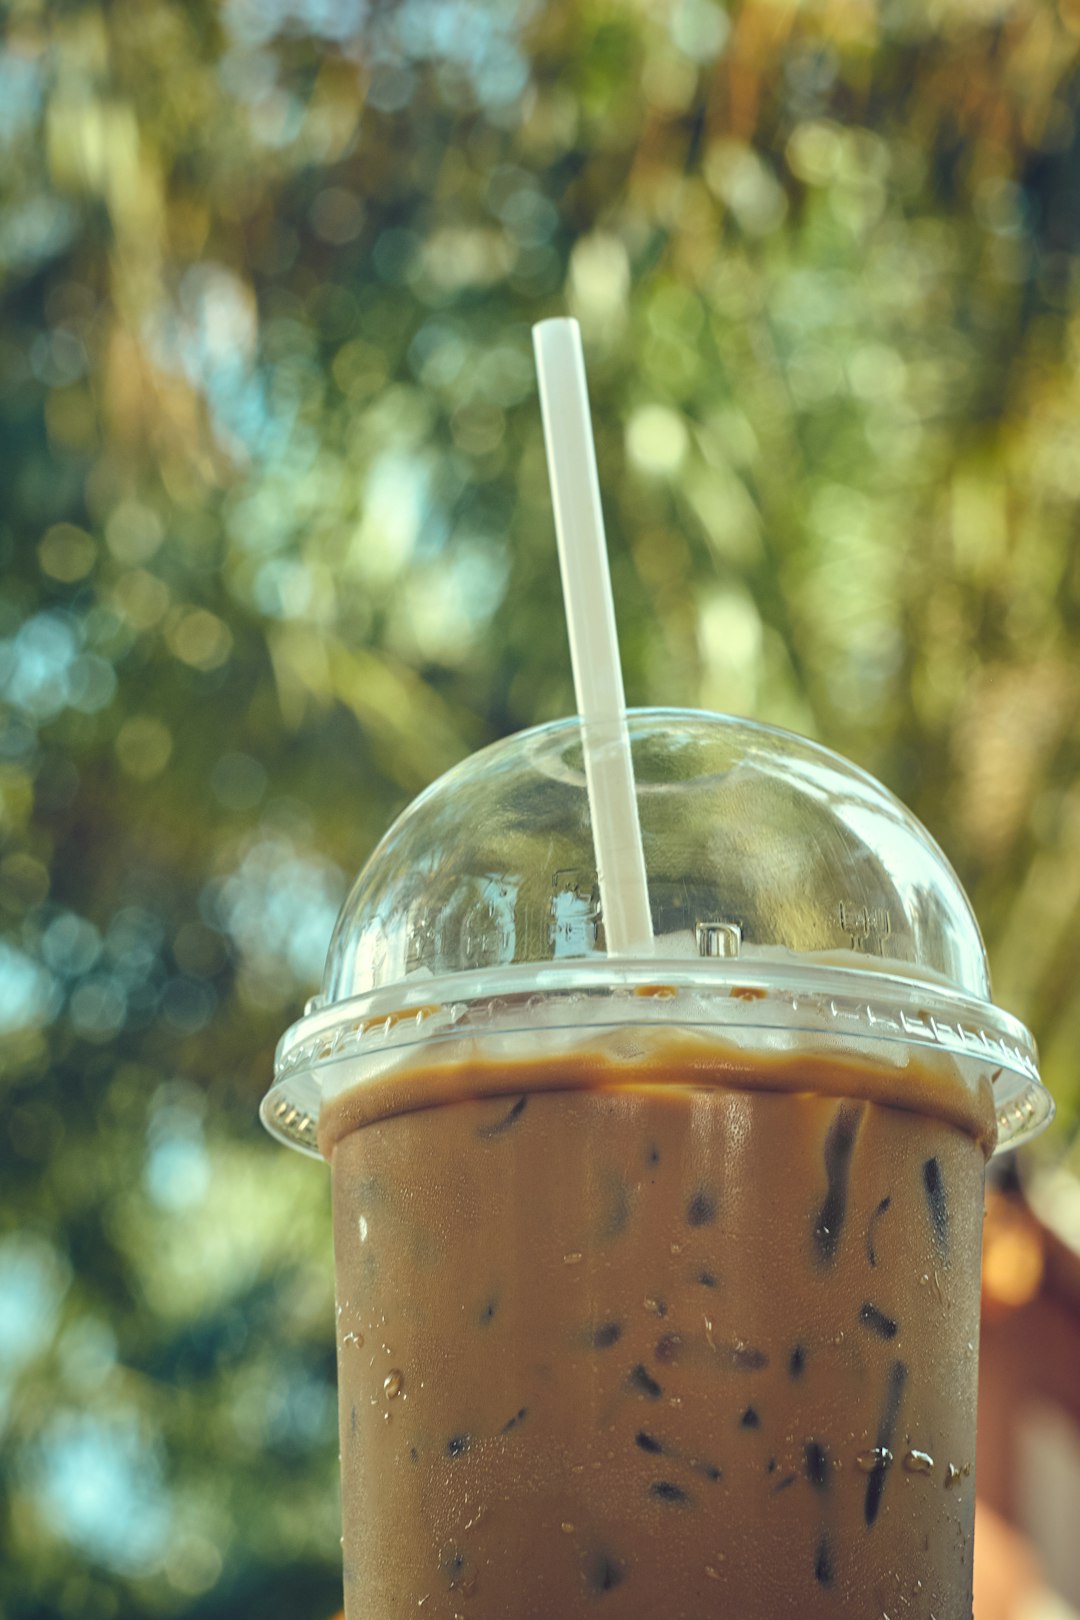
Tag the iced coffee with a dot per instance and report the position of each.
(680, 1339)
(658, 1279)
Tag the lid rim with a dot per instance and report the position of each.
(912, 999)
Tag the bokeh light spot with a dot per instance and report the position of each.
(34, 666)
(28, 993)
(337, 215)
(133, 532)
(700, 28)
(177, 1172)
(87, 1354)
(70, 945)
(91, 683)
(193, 1565)
(33, 1281)
(238, 782)
(279, 906)
(98, 1007)
(739, 176)
(188, 1004)
(201, 639)
(67, 553)
(141, 598)
(599, 280)
(24, 880)
(143, 746)
(657, 440)
(98, 1484)
(16, 794)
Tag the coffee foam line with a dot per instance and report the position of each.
(648, 1059)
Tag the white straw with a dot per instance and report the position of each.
(594, 646)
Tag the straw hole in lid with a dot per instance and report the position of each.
(718, 938)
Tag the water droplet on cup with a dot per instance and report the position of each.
(876, 1457)
(392, 1384)
(918, 1462)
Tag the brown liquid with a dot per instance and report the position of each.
(659, 1344)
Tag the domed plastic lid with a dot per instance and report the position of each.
(774, 868)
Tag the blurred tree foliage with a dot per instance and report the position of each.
(277, 549)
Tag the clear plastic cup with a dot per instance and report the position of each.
(658, 1279)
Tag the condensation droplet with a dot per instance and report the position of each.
(713, 1574)
(876, 1457)
(918, 1462)
(392, 1384)
(573, 1259)
(363, 1228)
(356, 1339)
(567, 1528)
(952, 1474)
